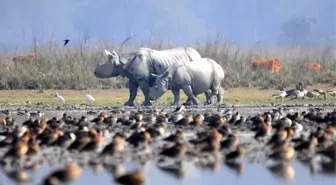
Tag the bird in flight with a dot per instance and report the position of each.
(66, 41)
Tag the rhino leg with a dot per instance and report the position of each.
(133, 88)
(220, 96)
(176, 93)
(189, 100)
(215, 90)
(144, 86)
(207, 94)
(188, 91)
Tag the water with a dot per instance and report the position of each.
(251, 173)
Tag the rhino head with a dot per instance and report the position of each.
(162, 83)
(112, 68)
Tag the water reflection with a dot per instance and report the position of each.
(283, 170)
(328, 168)
(176, 169)
(18, 176)
(238, 167)
(184, 173)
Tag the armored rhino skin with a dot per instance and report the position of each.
(138, 65)
(193, 78)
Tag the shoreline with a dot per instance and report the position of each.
(115, 98)
(83, 108)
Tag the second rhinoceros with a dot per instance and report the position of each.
(193, 78)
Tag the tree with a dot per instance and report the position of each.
(296, 31)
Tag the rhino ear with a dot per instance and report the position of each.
(114, 53)
(108, 53)
(126, 59)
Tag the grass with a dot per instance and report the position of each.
(71, 71)
(234, 96)
(72, 68)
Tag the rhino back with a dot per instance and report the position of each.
(218, 70)
(146, 61)
(162, 60)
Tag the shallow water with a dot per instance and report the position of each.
(251, 173)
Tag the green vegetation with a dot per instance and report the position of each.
(235, 96)
(69, 68)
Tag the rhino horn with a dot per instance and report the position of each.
(152, 75)
(152, 78)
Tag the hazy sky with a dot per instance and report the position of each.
(244, 22)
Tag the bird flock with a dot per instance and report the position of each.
(300, 93)
(170, 138)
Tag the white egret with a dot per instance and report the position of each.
(332, 92)
(60, 98)
(89, 98)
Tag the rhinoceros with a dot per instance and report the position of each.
(138, 66)
(194, 78)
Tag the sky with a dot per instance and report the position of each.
(183, 22)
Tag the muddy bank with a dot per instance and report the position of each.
(5, 109)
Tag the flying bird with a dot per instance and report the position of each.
(66, 41)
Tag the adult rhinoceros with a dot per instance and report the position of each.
(138, 66)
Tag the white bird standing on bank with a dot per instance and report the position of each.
(332, 92)
(279, 94)
(60, 98)
(89, 98)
